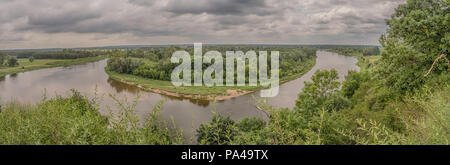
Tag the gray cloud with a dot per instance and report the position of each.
(36, 23)
(142, 2)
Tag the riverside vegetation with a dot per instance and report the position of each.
(151, 69)
(401, 98)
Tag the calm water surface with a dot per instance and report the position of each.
(29, 87)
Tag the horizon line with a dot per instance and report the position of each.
(185, 44)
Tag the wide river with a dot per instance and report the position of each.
(187, 114)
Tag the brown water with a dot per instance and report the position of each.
(29, 87)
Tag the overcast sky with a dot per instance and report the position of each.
(88, 23)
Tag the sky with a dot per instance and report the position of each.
(90, 23)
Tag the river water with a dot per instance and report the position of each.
(187, 114)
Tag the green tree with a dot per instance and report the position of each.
(352, 82)
(251, 124)
(220, 131)
(12, 61)
(324, 85)
(31, 59)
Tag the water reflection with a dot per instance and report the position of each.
(120, 86)
(14, 75)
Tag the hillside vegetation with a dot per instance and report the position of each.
(402, 99)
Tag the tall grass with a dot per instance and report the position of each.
(426, 120)
(76, 120)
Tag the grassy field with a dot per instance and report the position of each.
(26, 65)
(146, 83)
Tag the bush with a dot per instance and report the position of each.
(251, 124)
(221, 131)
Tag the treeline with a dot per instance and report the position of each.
(154, 63)
(63, 54)
(403, 100)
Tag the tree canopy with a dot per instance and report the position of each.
(418, 32)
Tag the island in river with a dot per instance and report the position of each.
(144, 70)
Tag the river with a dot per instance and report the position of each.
(187, 114)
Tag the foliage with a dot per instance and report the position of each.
(31, 59)
(251, 124)
(220, 131)
(76, 120)
(390, 102)
(352, 82)
(123, 65)
(355, 51)
(321, 93)
(418, 32)
(2, 58)
(26, 65)
(12, 61)
(426, 117)
(154, 63)
(63, 54)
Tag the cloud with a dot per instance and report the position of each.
(33, 23)
(219, 7)
(142, 2)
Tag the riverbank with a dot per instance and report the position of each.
(201, 93)
(25, 65)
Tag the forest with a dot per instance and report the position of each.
(154, 63)
(63, 54)
(401, 99)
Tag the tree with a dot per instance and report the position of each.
(12, 61)
(220, 131)
(418, 32)
(251, 124)
(352, 82)
(31, 59)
